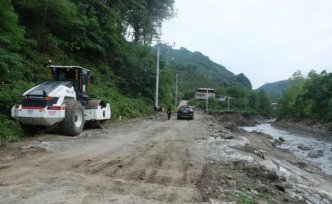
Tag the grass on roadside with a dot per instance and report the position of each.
(250, 198)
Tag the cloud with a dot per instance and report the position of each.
(267, 40)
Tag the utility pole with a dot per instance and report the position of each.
(157, 75)
(207, 100)
(176, 90)
(157, 78)
(227, 103)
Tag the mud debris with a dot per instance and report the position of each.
(17, 151)
(225, 181)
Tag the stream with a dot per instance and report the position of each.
(293, 139)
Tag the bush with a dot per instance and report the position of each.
(10, 130)
(249, 113)
(122, 105)
(244, 198)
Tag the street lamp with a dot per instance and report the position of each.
(157, 78)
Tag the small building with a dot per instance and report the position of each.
(221, 98)
(274, 106)
(202, 93)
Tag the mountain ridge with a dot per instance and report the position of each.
(275, 89)
(201, 70)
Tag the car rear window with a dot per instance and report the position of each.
(185, 108)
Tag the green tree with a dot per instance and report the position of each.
(236, 91)
(259, 103)
(11, 36)
(263, 104)
(252, 100)
(143, 18)
(287, 103)
(63, 23)
(316, 98)
(165, 87)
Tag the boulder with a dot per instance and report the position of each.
(271, 141)
(274, 142)
(272, 175)
(231, 183)
(263, 189)
(281, 139)
(283, 186)
(315, 153)
(302, 146)
(252, 168)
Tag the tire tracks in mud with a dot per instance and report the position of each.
(165, 163)
(145, 164)
(161, 161)
(153, 166)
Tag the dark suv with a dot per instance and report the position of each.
(185, 112)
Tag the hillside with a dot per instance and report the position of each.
(275, 89)
(197, 70)
(92, 34)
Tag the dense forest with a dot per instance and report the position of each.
(308, 97)
(111, 38)
(302, 97)
(197, 70)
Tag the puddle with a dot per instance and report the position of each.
(292, 140)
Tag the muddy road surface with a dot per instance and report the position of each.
(155, 160)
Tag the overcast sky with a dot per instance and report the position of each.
(267, 40)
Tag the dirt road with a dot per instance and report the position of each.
(145, 161)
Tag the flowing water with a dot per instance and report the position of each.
(293, 139)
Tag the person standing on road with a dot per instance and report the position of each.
(169, 111)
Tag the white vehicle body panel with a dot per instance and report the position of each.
(63, 92)
(99, 113)
(35, 116)
(43, 116)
